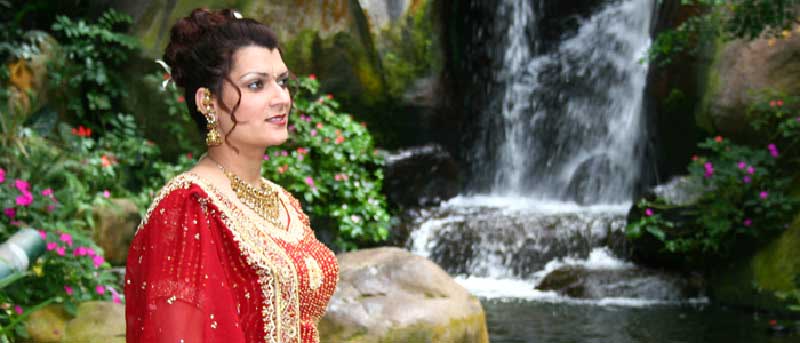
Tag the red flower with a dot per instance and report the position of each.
(339, 139)
(312, 76)
(166, 76)
(329, 96)
(189, 155)
(108, 161)
(773, 322)
(319, 125)
(779, 102)
(364, 124)
(694, 157)
(718, 139)
(282, 169)
(81, 131)
(181, 99)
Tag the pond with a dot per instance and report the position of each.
(518, 321)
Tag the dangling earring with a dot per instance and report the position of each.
(212, 138)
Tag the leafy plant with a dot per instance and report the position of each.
(726, 19)
(87, 81)
(744, 190)
(330, 162)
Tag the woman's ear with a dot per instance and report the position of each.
(202, 97)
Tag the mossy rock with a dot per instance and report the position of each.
(48, 324)
(97, 321)
(753, 281)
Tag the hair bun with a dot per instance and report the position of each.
(187, 32)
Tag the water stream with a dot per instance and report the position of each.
(538, 234)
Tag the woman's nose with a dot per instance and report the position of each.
(280, 98)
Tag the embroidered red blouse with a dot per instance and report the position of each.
(201, 269)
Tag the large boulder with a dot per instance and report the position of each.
(95, 321)
(391, 295)
(743, 68)
(115, 226)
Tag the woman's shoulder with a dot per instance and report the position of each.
(183, 188)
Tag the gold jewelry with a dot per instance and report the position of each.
(264, 201)
(212, 137)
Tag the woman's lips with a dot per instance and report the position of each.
(279, 120)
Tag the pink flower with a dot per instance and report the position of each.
(43, 234)
(68, 290)
(314, 132)
(709, 169)
(47, 192)
(266, 157)
(779, 103)
(106, 194)
(10, 212)
(763, 195)
(60, 251)
(291, 128)
(98, 261)
(26, 199)
(22, 186)
(309, 181)
(648, 212)
(751, 170)
(52, 246)
(100, 289)
(51, 208)
(773, 150)
(312, 76)
(3, 173)
(18, 309)
(284, 153)
(747, 222)
(66, 238)
(115, 298)
(90, 252)
(741, 165)
(746, 179)
(772, 103)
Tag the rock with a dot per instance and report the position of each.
(390, 295)
(48, 324)
(752, 280)
(580, 282)
(97, 321)
(680, 191)
(420, 176)
(742, 69)
(114, 229)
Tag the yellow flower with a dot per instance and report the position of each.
(771, 42)
(37, 269)
(786, 34)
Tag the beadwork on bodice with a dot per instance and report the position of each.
(287, 270)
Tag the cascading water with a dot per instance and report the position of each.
(571, 115)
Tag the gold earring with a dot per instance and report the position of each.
(212, 137)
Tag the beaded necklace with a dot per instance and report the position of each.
(263, 201)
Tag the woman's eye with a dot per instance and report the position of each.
(256, 84)
(283, 82)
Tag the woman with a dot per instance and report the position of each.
(223, 254)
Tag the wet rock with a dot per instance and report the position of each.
(580, 282)
(390, 295)
(420, 176)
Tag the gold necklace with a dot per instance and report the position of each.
(264, 201)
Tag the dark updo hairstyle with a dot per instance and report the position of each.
(201, 50)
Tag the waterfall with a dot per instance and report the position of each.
(570, 115)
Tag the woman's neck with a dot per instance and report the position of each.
(246, 164)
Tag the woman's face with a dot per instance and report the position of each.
(262, 116)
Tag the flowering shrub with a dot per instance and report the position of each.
(71, 270)
(745, 190)
(330, 162)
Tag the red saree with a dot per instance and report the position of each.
(201, 269)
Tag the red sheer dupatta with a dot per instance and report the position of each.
(175, 283)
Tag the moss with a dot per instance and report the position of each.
(709, 80)
(776, 266)
(471, 329)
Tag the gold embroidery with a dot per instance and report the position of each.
(314, 273)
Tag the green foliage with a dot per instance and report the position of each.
(792, 297)
(88, 81)
(744, 190)
(726, 19)
(330, 162)
(410, 52)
